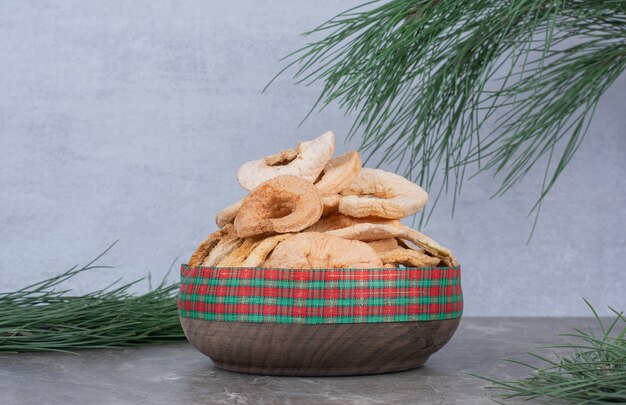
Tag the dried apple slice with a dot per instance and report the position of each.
(280, 205)
(315, 250)
(208, 244)
(383, 194)
(306, 161)
(339, 173)
(263, 249)
(408, 257)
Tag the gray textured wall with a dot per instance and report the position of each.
(127, 120)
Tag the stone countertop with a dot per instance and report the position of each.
(178, 374)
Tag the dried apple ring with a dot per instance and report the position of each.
(208, 244)
(383, 245)
(339, 173)
(379, 193)
(408, 257)
(263, 249)
(369, 232)
(228, 214)
(331, 204)
(337, 220)
(315, 250)
(222, 249)
(307, 160)
(280, 205)
(240, 254)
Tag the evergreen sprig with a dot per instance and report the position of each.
(592, 372)
(44, 317)
(422, 78)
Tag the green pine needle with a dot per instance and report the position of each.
(419, 76)
(594, 372)
(45, 317)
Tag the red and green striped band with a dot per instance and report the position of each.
(320, 296)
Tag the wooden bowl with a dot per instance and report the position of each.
(240, 327)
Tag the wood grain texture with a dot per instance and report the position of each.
(318, 350)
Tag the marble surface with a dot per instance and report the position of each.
(178, 374)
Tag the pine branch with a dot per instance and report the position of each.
(418, 77)
(593, 372)
(42, 317)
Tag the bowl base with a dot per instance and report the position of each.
(318, 350)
